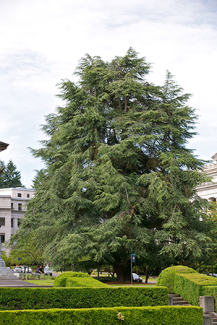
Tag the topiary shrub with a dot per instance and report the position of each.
(167, 276)
(76, 279)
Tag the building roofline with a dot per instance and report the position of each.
(17, 188)
(3, 145)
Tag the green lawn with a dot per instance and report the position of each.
(50, 282)
(149, 279)
(41, 282)
(129, 285)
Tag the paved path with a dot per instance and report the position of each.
(19, 283)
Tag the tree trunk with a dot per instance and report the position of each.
(146, 274)
(123, 272)
(146, 278)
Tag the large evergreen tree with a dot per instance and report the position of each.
(118, 178)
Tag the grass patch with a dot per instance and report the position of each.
(150, 279)
(134, 285)
(41, 282)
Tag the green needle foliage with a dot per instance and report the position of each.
(118, 177)
(10, 176)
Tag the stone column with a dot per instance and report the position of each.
(207, 302)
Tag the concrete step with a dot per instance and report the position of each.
(178, 301)
(214, 315)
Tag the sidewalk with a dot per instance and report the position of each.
(19, 283)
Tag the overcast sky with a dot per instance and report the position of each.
(42, 40)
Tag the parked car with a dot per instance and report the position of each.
(136, 277)
(22, 269)
(17, 269)
(48, 271)
(212, 274)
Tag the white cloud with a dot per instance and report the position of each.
(42, 41)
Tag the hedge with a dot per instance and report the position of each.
(101, 316)
(77, 279)
(167, 276)
(192, 286)
(45, 298)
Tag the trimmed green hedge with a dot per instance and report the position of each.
(192, 286)
(46, 298)
(167, 276)
(77, 279)
(100, 316)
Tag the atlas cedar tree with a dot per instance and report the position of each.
(118, 176)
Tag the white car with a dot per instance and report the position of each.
(136, 277)
(18, 269)
(22, 269)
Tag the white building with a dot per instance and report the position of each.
(209, 190)
(12, 209)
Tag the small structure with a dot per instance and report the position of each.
(5, 272)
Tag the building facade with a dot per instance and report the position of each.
(12, 208)
(209, 190)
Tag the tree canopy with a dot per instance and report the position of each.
(118, 176)
(10, 176)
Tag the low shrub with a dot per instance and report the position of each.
(76, 279)
(46, 298)
(105, 279)
(192, 286)
(167, 276)
(101, 316)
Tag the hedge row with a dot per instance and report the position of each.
(101, 316)
(167, 276)
(45, 298)
(77, 279)
(188, 283)
(192, 286)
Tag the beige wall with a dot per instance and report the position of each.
(9, 208)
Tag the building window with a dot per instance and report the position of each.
(12, 206)
(19, 195)
(20, 206)
(18, 222)
(12, 222)
(27, 195)
(2, 221)
(2, 238)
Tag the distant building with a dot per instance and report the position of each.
(209, 190)
(12, 209)
(3, 146)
